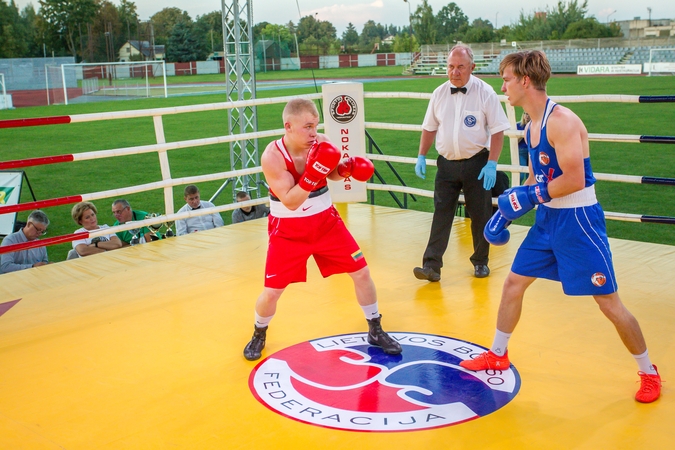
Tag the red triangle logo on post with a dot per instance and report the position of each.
(4, 307)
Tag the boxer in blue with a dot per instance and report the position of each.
(568, 242)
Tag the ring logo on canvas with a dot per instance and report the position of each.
(342, 382)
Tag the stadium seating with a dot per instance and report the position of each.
(562, 60)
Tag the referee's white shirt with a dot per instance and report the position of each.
(464, 122)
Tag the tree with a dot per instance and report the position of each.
(319, 34)
(182, 45)
(405, 43)
(128, 16)
(350, 37)
(258, 27)
(164, 21)
(32, 36)
(209, 31)
(424, 23)
(12, 32)
(281, 35)
(480, 31)
(107, 35)
(448, 22)
(534, 27)
(590, 28)
(278, 33)
(563, 15)
(65, 17)
(372, 33)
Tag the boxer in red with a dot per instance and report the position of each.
(303, 222)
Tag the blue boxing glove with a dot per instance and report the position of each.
(519, 200)
(421, 166)
(489, 175)
(495, 231)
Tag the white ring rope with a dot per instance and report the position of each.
(186, 109)
(162, 147)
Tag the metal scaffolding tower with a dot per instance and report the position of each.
(240, 84)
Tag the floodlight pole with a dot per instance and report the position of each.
(240, 85)
(409, 17)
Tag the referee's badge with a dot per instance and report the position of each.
(470, 121)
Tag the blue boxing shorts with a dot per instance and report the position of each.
(569, 245)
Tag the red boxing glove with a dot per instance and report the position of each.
(321, 160)
(357, 167)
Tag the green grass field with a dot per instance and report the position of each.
(93, 176)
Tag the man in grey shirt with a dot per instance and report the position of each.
(248, 212)
(36, 226)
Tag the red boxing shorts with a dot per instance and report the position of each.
(293, 240)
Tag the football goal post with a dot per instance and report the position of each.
(73, 83)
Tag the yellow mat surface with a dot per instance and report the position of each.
(142, 347)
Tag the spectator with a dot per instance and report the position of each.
(122, 211)
(36, 226)
(84, 214)
(198, 223)
(466, 121)
(248, 212)
(522, 146)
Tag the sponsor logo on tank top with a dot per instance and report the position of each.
(544, 159)
(342, 382)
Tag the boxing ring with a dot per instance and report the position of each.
(142, 347)
(94, 355)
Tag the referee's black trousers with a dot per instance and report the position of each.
(451, 178)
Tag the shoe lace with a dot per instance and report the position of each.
(649, 382)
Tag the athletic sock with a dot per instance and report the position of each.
(644, 363)
(262, 322)
(500, 343)
(371, 311)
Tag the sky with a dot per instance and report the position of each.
(386, 12)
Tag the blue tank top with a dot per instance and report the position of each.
(543, 157)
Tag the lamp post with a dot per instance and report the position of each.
(650, 15)
(409, 17)
(613, 11)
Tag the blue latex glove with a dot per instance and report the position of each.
(489, 175)
(421, 167)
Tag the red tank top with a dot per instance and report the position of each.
(290, 166)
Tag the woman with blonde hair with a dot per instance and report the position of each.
(84, 214)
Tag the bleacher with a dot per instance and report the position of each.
(436, 63)
(640, 55)
(562, 60)
(429, 64)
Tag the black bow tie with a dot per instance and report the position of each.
(456, 90)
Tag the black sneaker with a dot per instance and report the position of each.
(426, 273)
(481, 271)
(253, 349)
(378, 337)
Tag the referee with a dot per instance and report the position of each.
(467, 122)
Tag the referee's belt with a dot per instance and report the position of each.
(480, 152)
(312, 194)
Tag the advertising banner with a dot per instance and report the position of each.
(610, 69)
(344, 124)
(10, 194)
